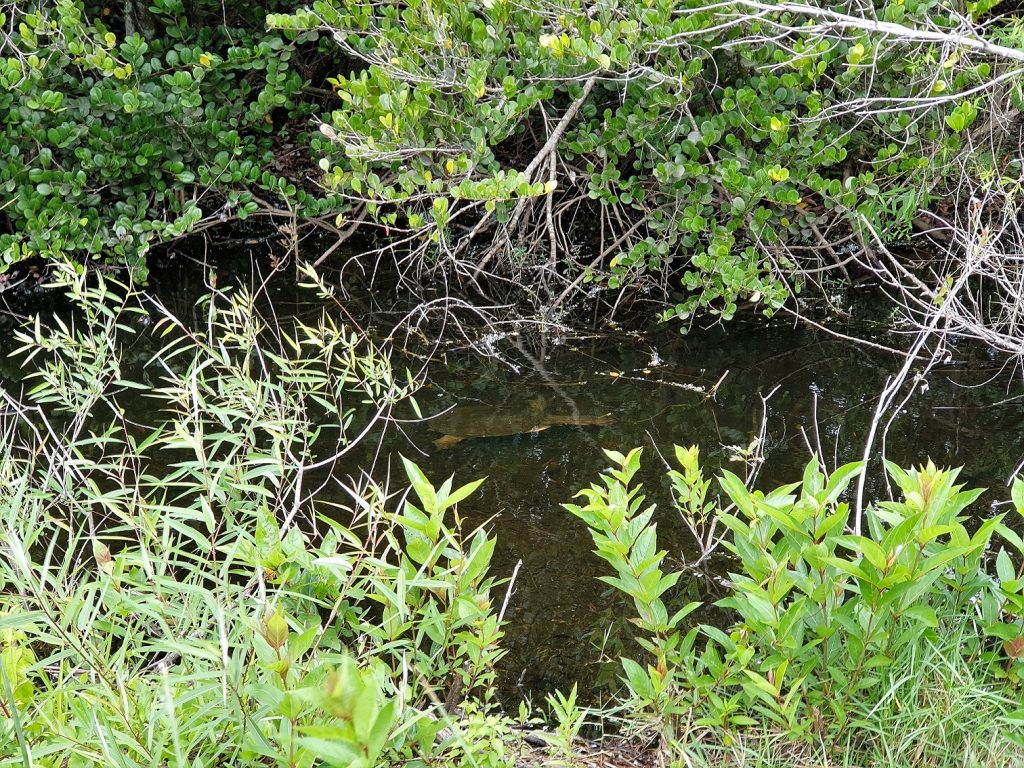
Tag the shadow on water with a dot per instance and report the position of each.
(561, 619)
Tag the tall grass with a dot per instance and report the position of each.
(935, 709)
(160, 605)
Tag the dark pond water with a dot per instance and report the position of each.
(561, 619)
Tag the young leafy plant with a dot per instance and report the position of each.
(820, 617)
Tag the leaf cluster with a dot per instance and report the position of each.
(825, 619)
(112, 141)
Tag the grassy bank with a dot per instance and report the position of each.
(183, 587)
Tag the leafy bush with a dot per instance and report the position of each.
(112, 142)
(829, 628)
(708, 154)
(712, 142)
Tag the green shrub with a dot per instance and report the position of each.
(680, 141)
(829, 629)
(703, 140)
(110, 143)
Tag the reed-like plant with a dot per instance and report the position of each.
(179, 584)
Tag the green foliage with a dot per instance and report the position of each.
(159, 604)
(110, 142)
(726, 142)
(568, 718)
(627, 540)
(702, 144)
(827, 624)
(177, 589)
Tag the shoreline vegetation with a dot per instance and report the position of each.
(686, 159)
(177, 590)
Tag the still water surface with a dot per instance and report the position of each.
(825, 390)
